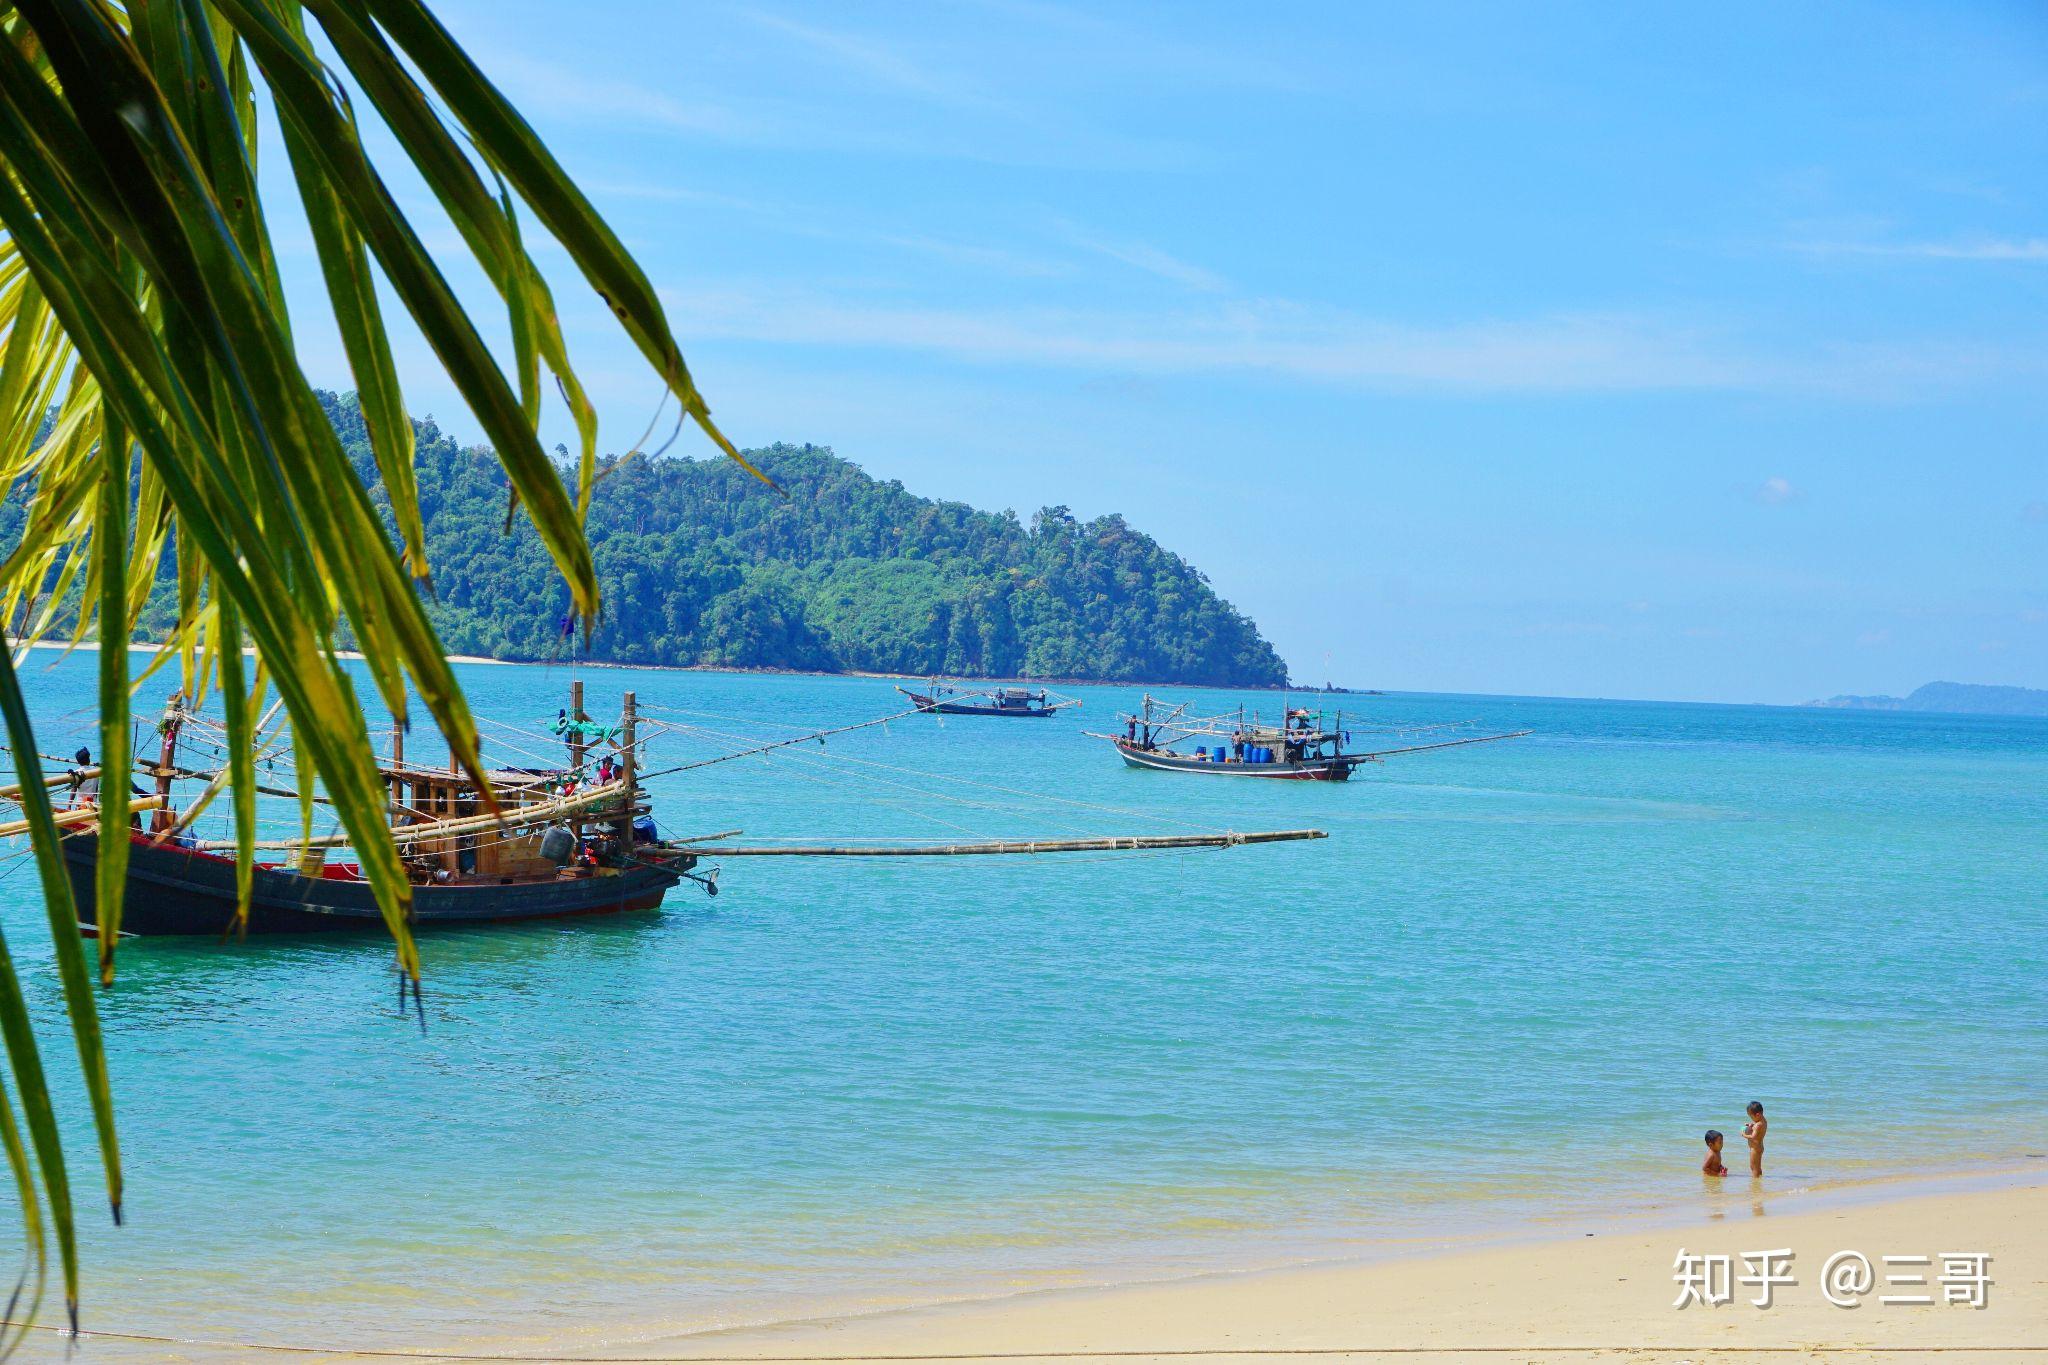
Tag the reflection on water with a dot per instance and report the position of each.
(1514, 985)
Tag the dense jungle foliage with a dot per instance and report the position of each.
(701, 564)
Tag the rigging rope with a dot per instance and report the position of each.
(818, 735)
(1030, 796)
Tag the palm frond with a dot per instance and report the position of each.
(151, 405)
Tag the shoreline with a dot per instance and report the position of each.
(1306, 690)
(1533, 1291)
(1275, 1300)
(145, 647)
(1534, 1286)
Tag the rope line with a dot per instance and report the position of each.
(1028, 796)
(778, 744)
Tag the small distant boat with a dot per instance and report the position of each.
(947, 699)
(1302, 748)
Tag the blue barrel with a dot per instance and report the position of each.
(1262, 755)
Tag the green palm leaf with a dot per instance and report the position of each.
(151, 404)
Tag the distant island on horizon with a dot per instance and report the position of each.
(1970, 699)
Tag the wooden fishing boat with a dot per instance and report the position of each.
(946, 699)
(178, 890)
(562, 842)
(1302, 748)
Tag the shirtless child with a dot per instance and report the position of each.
(1754, 1131)
(1713, 1166)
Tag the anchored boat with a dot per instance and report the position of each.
(573, 839)
(947, 699)
(1302, 748)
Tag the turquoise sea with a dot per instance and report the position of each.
(1513, 987)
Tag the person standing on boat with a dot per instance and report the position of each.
(85, 785)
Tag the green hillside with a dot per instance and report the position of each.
(701, 564)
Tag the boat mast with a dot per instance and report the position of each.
(576, 734)
(398, 792)
(167, 759)
(629, 774)
(451, 847)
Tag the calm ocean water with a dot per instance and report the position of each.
(1516, 983)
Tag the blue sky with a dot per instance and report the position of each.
(1691, 353)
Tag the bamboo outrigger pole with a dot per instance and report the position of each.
(1113, 843)
(516, 817)
(83, 815)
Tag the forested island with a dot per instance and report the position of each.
(1957, 698)
(703, 565)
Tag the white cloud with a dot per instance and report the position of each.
(1553, 354)
(1971, 249)
(1875, 639)
(1775, 491)
(542, 87)
(1150, 259)
(879, 63)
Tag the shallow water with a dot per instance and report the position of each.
(1515, 983)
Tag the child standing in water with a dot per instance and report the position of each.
(1754, 1132)
(1713, 1166)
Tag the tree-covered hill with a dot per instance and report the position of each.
(701, 564)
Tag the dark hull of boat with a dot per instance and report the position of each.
(957, 708)
(180, 891)
(1311, 770)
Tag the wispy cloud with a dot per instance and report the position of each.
(2034, 249)
(879, 63)
(818, 223)
(546, 88)
(988, 130)
(1146, 257)
(1555, 354)
(978, 255)
(1561, 353)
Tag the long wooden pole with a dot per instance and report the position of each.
(516, 818)
(84, 815)
(628, 774)
(1117, 843)
(575, 739)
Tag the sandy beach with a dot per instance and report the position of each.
(1548, 1297)
(1584, 1296)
